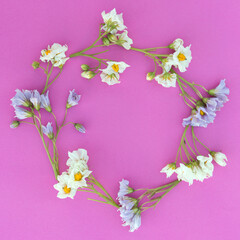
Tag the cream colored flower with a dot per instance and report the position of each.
(176, 44)
(113, 22)
(219, 158)
(55, 54)
(124, 40)
(78, 158)
(185, 173)
(167, 79)
(64, 186)
(169, 169)
(206, 165)
(182, 57)
(110, 75)
(78, 176)
(167, 63)
(110, 79)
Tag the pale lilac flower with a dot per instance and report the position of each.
(131, 217)
(73, 99)
(15, 124)
(200, 118)
(127, 202)
(22, 113)
(36, 100)
(124, 188)
(48, 130)
(220, 91)
(219, 158)
(80, 127)
(22, 98)
(45, 103)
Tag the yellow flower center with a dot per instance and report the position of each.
(181, 57)
(66, 189)
(47, 52)
(115, 67)
(78, 176)
(202, 112)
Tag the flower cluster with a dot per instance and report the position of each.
(129, 210)
(199, 169)
(55, 54)
(206, 108)
(75, 177)
(115, 30)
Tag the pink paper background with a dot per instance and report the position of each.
(133, 129)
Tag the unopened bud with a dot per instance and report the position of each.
(14, 124)
(84, 67)
(88, 74)
(80, 127)
(105, 41)
(35, 65)
(112, 38)
(150, 76)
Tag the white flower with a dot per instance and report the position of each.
(115, 67)
(167, 79)
(198, 173)
(110, 74)
(113, 22)
(78, 158)
(55, 54)
(131, 217)
(185, 173)
(169, 169)
(206, 165)
(78, 176)
(219, 158)
(182, 57)
(168, 63)
(110, 79)
(176, 44)
(125, 41)
(63, 186)
(124, 188)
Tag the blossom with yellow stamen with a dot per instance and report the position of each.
(167, 79)
(65, 186)
(182, 57)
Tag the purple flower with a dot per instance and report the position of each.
(36, 100)
(48, 130)
(45, 103)
(221, 92)
(127, 202)
(22, 98)
(199, 118)
(124, 188)
(22, 113)
(73, 99)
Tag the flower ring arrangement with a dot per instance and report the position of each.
(190, 164)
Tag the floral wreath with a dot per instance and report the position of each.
(193, 166)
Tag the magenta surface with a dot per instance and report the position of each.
(133, 129)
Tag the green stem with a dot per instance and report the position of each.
(199, 141)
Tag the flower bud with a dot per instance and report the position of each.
(112, 38)
(80, 127)
(84, 67)
(88, 74)
(14, 124)
(150, 76)
(105, 41)
(35, 64)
